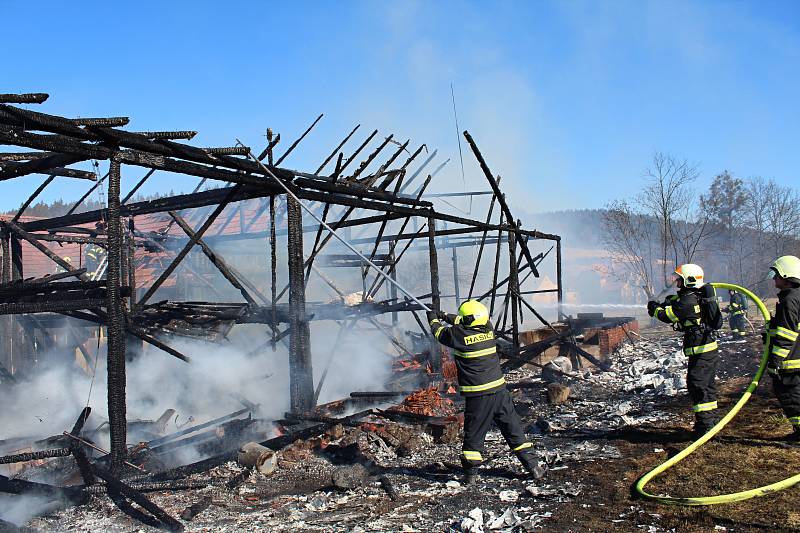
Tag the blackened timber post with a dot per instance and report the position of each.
(7, 321)
(559, 284)
(17, 269)
(301, 384)
(436, 362)
(501, 200)
(513, 289)
(116, 327)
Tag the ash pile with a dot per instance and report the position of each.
(381, 460)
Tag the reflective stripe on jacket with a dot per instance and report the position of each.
(782, 332)
(684, 311)
(475, 354)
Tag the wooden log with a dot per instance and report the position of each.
(261, 458)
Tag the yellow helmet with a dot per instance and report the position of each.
(787, 266)
(691, 274)
(473, 313)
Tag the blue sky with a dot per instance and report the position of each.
(568, 100)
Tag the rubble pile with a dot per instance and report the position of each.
(398, 469)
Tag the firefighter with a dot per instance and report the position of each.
(94, 258)
(781, 339)
(482, 385)
(684, 312)
(737, 307)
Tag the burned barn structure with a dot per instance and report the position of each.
(373, 192)
(360, 225)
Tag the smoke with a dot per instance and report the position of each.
(18, 510)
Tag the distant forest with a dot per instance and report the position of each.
(59, 207)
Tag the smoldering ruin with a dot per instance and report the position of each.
(207, 354)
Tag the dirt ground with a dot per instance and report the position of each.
(748, 453)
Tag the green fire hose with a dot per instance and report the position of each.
(722, 498)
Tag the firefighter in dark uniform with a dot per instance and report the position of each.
(94, 257)
(481, 382)
(781, 338)
(683, 311)
(737, 307)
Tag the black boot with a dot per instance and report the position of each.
(469, 476)
(703, 422)
(531, 464)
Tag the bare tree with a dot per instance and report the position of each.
(667, 194)
(627, 237)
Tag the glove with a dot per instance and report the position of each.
(441, 315)
(651, 307)
(431, 315)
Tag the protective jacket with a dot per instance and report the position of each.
(475, 354)
(738, 305)
(782, 333)
(684, 312)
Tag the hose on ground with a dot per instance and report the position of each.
(721, 498)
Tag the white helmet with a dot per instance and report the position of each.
(691, 274)
(787, 267)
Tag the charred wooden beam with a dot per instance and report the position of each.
(47, 165)
(72, 495)
(301, 385)
(137, 186)
(32, 197)
(295, 143)
(135, 496)
(24, 98)
(215, 259)
(231, 193)
(34, 456)
(24, 156)
(211, 423)
(136, 157)
(54, 124)
(105, 122)
(364, 164)
(271, 143)
(31, 239)
(86, 194)
(501, 200)
(350, 159)
(168, 135)
(116, 325)
(227, 150)
(336, 150)
(50, 307)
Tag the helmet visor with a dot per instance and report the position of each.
(772, 273)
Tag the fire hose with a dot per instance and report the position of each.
(722, 498)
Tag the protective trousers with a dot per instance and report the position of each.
(738, 324)
(700, 381)
(479, 413)
(787, 389)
